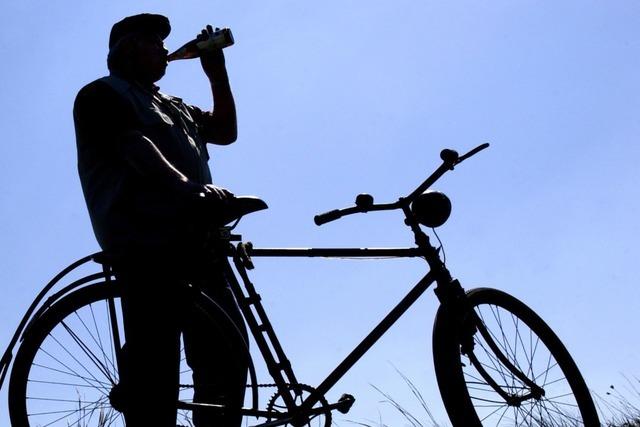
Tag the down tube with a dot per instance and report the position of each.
(372, 338)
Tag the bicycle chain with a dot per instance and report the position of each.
(264, 385)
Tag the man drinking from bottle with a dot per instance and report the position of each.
(142, 160)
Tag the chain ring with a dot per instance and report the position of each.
(273, 406)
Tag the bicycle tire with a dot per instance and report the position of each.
(74, 389)
(468, 396)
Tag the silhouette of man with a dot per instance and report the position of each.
(141, 159)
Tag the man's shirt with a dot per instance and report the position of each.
(130, 213)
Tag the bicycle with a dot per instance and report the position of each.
(496, 361)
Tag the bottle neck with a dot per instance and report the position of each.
(188, 51)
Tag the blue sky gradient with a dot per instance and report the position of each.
(341, 97)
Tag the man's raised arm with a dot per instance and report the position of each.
(220, 125)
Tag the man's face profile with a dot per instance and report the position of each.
(147, 57)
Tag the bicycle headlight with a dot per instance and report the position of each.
(431, 208)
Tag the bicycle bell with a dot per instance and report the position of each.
(431, 208)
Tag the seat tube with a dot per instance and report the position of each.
(262, 331)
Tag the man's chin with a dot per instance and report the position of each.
(159, 75)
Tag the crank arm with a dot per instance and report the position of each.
(343, 406)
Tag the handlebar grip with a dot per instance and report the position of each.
(327, 217)
(472, 152)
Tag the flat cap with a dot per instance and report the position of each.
(142, 23)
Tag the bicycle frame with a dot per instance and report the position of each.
(448, 290)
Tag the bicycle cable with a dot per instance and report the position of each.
(441, 248)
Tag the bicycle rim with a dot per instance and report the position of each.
(513, 332)
(66, 366)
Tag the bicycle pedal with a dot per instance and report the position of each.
(345, 403)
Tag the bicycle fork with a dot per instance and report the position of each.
(468, 324)
(536, 392)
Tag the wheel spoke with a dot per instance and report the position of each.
(71, 371)
(108, 361)
(502, 415)
(87, 351)
(89, 384)
(81, 409)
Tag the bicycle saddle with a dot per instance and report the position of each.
(240, 206)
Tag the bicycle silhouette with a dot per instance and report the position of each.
(497, 362)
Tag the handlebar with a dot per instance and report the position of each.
(472, 152)
(327, 217)
(364, 202)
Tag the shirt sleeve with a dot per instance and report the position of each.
(101, 118)
(206, 122)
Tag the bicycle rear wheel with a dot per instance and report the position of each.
(512, 371)
(66, 369)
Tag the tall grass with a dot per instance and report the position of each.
(621, 405)
(424, 419)
(618, 408)
(85, 415)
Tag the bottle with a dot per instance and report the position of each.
(218, 40)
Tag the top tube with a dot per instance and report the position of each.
(336, 252)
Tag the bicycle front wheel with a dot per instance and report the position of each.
(509, 369)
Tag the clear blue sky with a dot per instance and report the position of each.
(340, 97)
